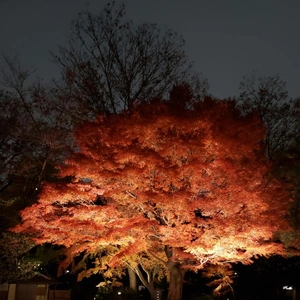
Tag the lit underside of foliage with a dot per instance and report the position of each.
(193, 182)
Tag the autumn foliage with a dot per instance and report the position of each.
(183, 188)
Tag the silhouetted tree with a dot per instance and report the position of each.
(112, 64)
(280, 114)
(34, 136)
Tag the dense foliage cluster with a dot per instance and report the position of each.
(182, 188)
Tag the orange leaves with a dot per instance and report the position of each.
(149, 178)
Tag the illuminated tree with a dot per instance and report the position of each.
(185, 189)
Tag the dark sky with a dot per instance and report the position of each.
(226, 39)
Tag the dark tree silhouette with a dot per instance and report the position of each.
(111, 64)
(280, 114)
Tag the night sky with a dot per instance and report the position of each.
(226, 39)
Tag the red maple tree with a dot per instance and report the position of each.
(179, 187)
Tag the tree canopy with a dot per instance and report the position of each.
(184, 189)
(110, 63)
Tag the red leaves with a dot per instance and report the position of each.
(194, 180)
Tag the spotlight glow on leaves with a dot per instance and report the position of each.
(194, 181)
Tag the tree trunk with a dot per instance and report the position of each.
(132, 280)
(176, 281)
(147, 282)
(152, 292)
